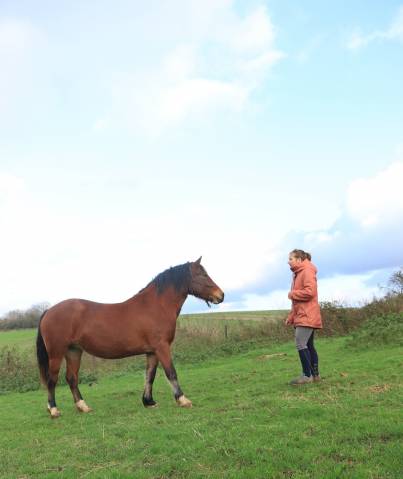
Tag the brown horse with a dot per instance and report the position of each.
(144, 324)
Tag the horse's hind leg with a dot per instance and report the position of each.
(53, 376)
(73, 361)
(151, 369)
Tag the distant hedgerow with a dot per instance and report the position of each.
(18, 370)
(384, 329)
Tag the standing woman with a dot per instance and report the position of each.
(305, 314)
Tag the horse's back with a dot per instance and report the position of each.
(104, 330)
(63, 321)
(67, 310)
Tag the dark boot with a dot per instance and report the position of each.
(306, 377)
(314, 358)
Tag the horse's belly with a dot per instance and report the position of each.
(114, 349)
(116, 355)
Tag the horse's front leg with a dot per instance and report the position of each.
(164, 355)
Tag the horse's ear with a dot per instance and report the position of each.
(198, 260)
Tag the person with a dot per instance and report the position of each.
(305, 314)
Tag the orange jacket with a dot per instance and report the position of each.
(305, 309)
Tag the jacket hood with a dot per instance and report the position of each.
(306, 264)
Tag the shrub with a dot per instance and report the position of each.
(384, 329)
(18, 371)
(336, 318)
(390, 303)
(395, 283)
(341, 320)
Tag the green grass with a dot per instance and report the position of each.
(246, 422)
(23, 338)
(240, 325)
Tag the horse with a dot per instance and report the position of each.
(143, 324)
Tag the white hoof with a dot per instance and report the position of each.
(183, 401)
(54, 412)
(82, 406)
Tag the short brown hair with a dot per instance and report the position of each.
(300, 253)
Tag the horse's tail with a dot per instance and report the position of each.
(42, 354)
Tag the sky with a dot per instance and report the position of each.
(136, 136)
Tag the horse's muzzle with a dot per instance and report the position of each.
(218, 297)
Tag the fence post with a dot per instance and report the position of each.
(226, 331)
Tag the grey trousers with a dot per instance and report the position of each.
(302, 335)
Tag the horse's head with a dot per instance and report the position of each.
(202, 286)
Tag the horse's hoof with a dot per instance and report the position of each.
(54, 412)
(82, 406)
(148, 402)
(183, 401)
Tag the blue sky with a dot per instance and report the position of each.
(135, 136)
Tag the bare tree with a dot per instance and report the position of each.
(395, 283)
(28, 318)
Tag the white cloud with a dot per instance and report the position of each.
(357, 40)
(161, 102)
(180, 64)
(198, 95)
(215, 72)
(10, 188)
(18, 40)
(394, 32)
(50, 254)
(379, 199)
(68, 253)
(316, 238)
(16, 37)
(275, 300)
(18, 224)
(365, 239)
(349, 290)
(262, 61)
(254, 33)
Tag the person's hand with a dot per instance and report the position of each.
(288, 321)
(290, 295)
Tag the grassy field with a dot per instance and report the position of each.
(237, 315)
(246, 421)
(211, 323)
(22, 338)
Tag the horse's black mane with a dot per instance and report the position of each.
(178, 276)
